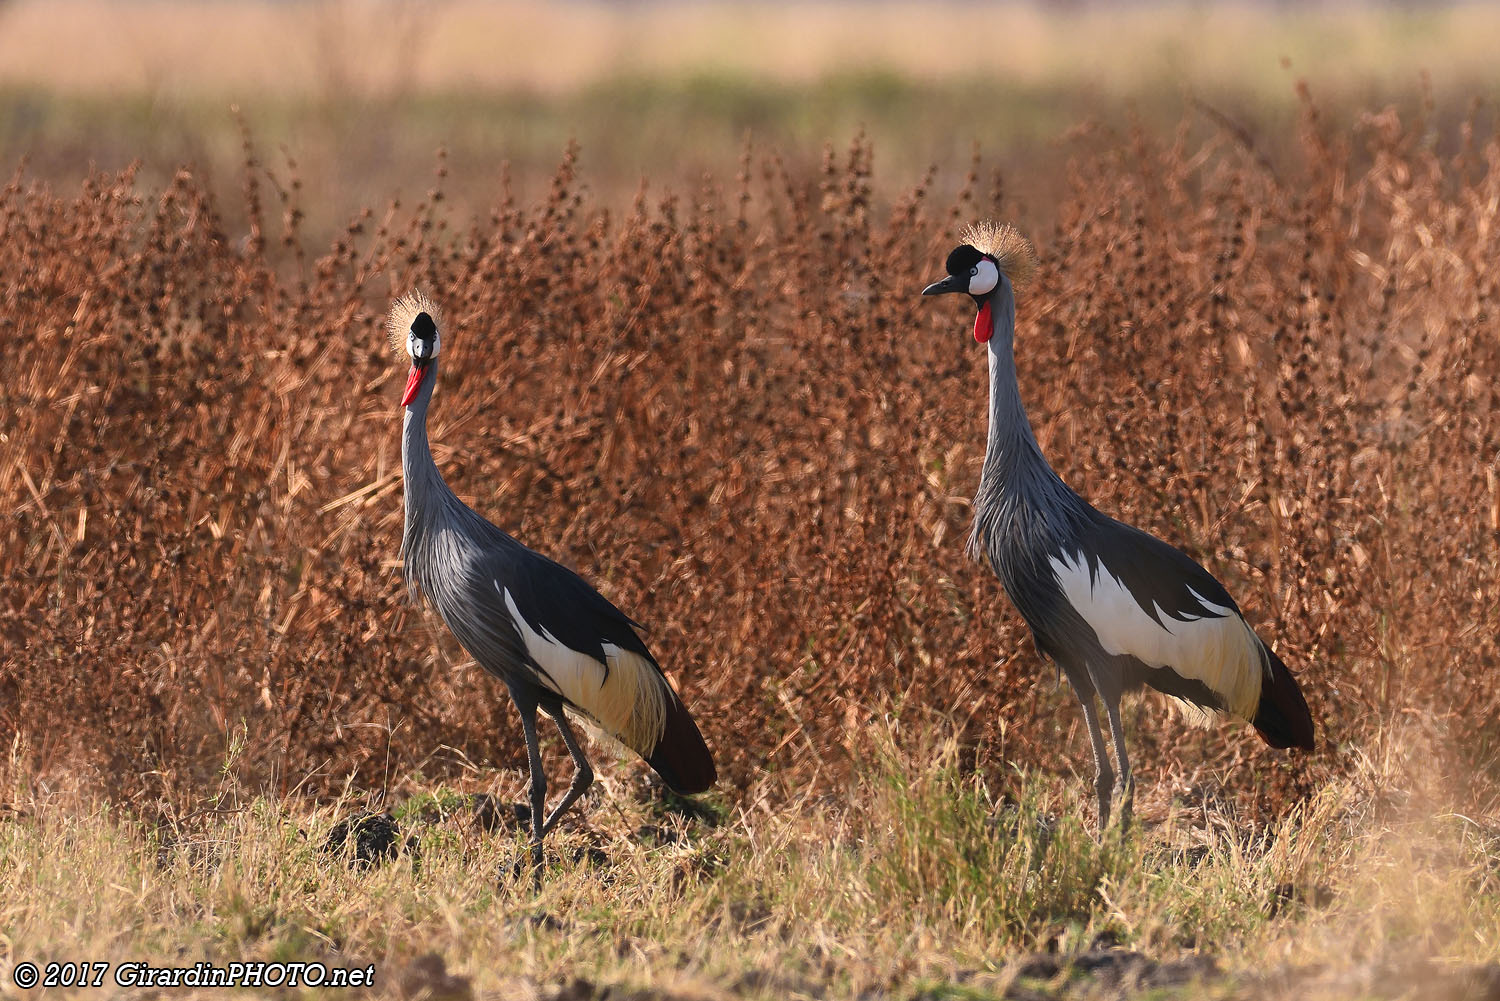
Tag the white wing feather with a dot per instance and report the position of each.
(1221, 652)
(628, 701)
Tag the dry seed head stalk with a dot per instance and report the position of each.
(1012, 252)
(403, 311)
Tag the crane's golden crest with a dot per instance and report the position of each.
(404, 311)
(1012, 252)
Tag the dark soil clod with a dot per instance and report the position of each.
(1287, 894)
(659, 837)
(427, 977)
(376, 839)
(492, 815)
(1120, 968)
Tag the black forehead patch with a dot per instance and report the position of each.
(423, 327)
(962, 259)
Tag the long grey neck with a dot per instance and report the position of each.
(1021, 502)
(1012, 447)
(422, 484)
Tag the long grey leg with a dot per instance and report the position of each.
(527, 706)
(583, 775)
(1103, 776)
(1125, 785)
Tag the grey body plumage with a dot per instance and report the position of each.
(557, 644)
(1114, 607)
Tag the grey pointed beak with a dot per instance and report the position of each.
(949, 284)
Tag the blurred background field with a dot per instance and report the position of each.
(362, 92)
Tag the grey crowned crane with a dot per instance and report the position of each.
(1115, 608)
(556, 643)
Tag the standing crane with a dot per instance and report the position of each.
(1115, 608)
(556, 643)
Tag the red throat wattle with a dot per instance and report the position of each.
(414, 382)
(984, 327)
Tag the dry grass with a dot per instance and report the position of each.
(924, 883)
(732, 411)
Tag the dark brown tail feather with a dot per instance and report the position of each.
(681, 757)
(1282, 717)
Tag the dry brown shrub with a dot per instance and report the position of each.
(731, 410)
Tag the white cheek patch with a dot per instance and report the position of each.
(418, 349)
(986, 276)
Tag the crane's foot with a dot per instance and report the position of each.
(531, 859)
(590, 856)
(1103, 785)
(536, 866)
(1124, 794)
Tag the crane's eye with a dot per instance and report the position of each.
(983, 277)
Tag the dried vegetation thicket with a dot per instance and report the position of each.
(731, 410)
